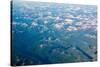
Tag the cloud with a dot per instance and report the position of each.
(15, 23)
(45, 22)
(21, 24)
(93, 2)
(59, 25)
(68, 21)
(78, 23)
(44, 28)
(71, 28)
(90, 36)
(34, 24)
(41, 45)
(24, 24)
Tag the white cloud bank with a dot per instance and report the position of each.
(88, 2)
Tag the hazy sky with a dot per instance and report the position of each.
(67, 1)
